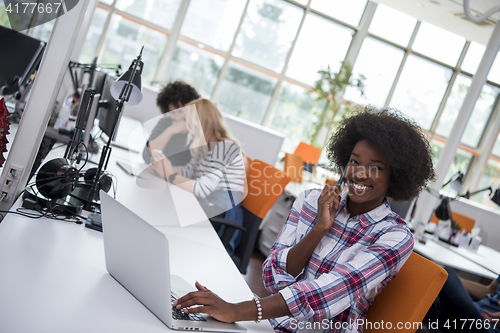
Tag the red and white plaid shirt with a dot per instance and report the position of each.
(353, 262)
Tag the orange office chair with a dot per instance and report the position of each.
(309, 153)
(294, 166)
(331, 181)
(465, 222)
(265, 185)
(408, 297)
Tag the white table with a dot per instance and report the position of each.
(53, 276)
(485, 263)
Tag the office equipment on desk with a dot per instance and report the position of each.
(137, 256)
(17, 68)
(107, 115)
(407, 297)
(89, 192)
(463, 221)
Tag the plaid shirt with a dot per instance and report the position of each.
(353, 262)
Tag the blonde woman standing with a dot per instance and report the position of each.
(216, 173)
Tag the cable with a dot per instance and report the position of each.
(86, 156)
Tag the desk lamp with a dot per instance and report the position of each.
(129, 85)
(58, 178)
(443, 211)
(455, 181)
(496, 197)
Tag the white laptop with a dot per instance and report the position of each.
(137, 257)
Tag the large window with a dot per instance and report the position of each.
(92, 41)
(124, 40)
(346, 11)
(461, 162)
(420, 90)
(494, 74)
(295, 114)
(160, 12)
(195, 66)
(480, 116)
(490, 178)
(213, 22)
(496, 147)
(386, 20)
(267, 33)
(246, 92)
(453, 104)
(379, 63)
(439, 44)
(4, 19)
(310, 55)
(473, 57)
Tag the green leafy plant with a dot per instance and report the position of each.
(330, 87)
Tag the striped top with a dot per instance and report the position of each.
(352, 263)
(220, 169)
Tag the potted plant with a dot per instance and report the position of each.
(331, 86)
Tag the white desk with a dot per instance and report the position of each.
(53, 276)
(485, 263)
(294, 189)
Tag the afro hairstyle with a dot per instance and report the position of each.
(175, 93)
(399, 139)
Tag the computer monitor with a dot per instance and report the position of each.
(107, 109)
(16, 67)
(99, 80)
(90, 122)
(402, 208)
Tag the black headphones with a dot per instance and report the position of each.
(105, 181)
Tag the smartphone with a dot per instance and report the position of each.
(342, 182)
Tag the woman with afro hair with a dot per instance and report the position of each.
(337, 251)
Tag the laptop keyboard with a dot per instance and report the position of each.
(179, 315)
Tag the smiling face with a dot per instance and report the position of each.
(368, 178)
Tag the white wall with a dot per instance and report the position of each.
(257, 142)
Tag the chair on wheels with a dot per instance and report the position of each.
(265, 185)
(408, 297)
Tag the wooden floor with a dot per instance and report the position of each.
(254, 275)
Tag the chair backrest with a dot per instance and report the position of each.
(309, 153)
(465, 222)
(331, 181)
(407, 298)
(265, 185)
(294, 167)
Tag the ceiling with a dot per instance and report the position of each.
(449, 15)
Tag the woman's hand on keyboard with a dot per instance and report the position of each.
(205, 301)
